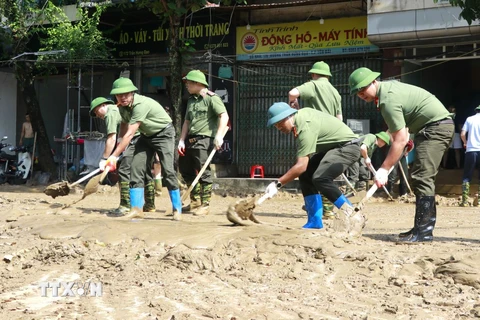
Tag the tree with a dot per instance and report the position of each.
(46, 30)
(470, 9)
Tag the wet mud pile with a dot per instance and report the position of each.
(206, 268)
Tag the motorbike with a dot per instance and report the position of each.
(14, 169)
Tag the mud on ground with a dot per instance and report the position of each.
(204, 268)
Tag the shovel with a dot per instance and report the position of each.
(374, 172)
(63, 188)
(369, 194)
(344, 177)
(242, 210)
(94, 183)
(202, 170)
(405, 178)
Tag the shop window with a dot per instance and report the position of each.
(152, 83)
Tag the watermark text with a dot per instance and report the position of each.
(71, 289)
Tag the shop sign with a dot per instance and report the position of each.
(153, 39)
(304, 39)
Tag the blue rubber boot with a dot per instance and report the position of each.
(136, 198)
(355, 220)
(136, 202)
(314, 208)
(341, 201)
(176, 203)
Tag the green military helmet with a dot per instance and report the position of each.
(361, 78)
(279, 111)
(96, 102)
(321, 68)
(123, 85)
(196, 76)
(384, 136)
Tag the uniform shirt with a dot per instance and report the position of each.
(112, 119)
(126, 114)
(202, 112)
(321, 95)
(369, 141)
(403, 105)
(151, 115)
(319, 132)
(472, 126)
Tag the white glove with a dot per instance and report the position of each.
(111, 163)
(381, 178)
(271, 190)
(181, 147)
(368, 161)
(218, 142)
(102, 163)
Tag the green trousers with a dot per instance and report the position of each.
(430, 144)
(197, 150)
(323, 168)
(163, 143)
(125, 171)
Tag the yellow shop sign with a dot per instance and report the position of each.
(303, 39)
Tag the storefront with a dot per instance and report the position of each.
(272, 59)
(433, 49)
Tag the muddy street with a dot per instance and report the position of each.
(205, 268)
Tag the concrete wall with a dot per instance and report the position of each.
(8, 110)
(301, 12)
(380, 6)
(397, 21)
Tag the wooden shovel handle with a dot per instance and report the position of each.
(91, 174)
(202, 170)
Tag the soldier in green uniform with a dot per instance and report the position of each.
(318, 93)
(108, 111)
(205, 122)
(321, 95)
(157, 134)
(326, 147)
(369, 144)
(403, 105)
(380, 140)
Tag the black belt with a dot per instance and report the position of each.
(443, 121)
(354, 141)
(193, 139)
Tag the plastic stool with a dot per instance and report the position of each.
(256, 171)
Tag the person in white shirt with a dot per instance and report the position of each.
(472, 154)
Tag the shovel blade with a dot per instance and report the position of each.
(58, 189)
(241, 212)
(92, 186)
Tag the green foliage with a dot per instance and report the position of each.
(470, 9)
(29, 20)
(82, 39)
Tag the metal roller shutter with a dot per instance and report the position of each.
(260, 84)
